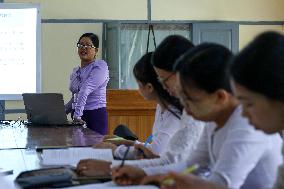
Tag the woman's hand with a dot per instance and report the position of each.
(153, 180)
(105, 145)
(79, 120)
(118, 140)
(122, 142)
(93, 167)
(127, 175)
(190, 181)
(143, 152)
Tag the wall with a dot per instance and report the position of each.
(64, 21)
(59, 55)
(90, 9)
(248, 32)
(231, 10)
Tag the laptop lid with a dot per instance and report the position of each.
(45, 108)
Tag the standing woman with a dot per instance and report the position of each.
(88, 86)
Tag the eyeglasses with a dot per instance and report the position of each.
(81, 46)
(164, 80)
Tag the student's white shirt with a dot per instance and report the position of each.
(181, 144)
(165, 125)
(239, 156)
(279, 184)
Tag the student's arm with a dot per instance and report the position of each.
(242, 150)
(166, 130)
(97, 77)
(143, 163)
(180, 145)
(120, 151)
(199, 156)
(190, 182)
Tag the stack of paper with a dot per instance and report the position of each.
(71, 156)
(111, 185)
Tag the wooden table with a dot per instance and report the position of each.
(18, 143)
(19, 136)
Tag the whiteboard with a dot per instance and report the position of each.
(20, 50)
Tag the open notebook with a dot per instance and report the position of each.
(71, 156)
(111, 185)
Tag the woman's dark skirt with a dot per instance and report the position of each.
(96, 120)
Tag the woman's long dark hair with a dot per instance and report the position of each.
(145, 73)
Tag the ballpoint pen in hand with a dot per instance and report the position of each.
(170, 181)
(124, 157)
(122, 162)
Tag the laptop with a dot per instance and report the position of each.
(46, 109)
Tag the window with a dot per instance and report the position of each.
(126, 43)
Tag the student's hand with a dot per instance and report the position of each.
(93, 167)
(117, 140)
(153, 180)
(122, 142)
(127, 175)
(190, 181)
(105, 145)
(147, 153)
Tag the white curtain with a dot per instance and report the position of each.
(133, 44)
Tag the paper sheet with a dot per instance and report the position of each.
(71, 156)
(111, 185)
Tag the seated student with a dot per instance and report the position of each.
(167, 113)
(185, 139)
(258, 82)
(259, 85)
(235, 152)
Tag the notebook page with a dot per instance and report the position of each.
(111, 185)
(71, 156)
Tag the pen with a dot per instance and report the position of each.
(170, 181)
(148, 140)
(123, 160)
(124, 157)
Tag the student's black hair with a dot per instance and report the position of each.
(144, 72)
(94, 38)
(260, 66)
(169, 50)
(206, 66)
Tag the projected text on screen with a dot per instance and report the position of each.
(18, 51)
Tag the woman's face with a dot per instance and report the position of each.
(87, 51)
(167, 80)
(197, 103)
(265, 114)
(145, 90)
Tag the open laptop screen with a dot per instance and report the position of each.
(45, 108)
